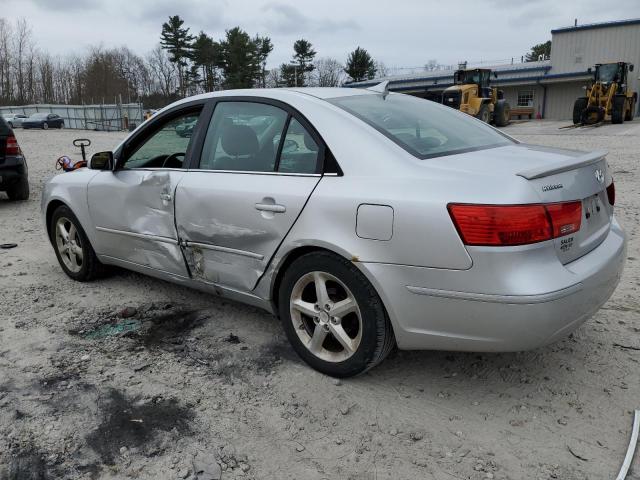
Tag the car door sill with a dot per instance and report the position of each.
(144, 236)
(199, 284)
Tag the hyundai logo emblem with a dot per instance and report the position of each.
(599, 175)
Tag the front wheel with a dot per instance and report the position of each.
(617, 109)
(484, 114)
(333, 316)
(75, 254)
(45, 126)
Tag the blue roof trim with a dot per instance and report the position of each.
(591, 26)
(424, 88)
(545, 68)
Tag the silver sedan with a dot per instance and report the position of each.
(364, 220)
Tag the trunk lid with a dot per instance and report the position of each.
(556, 175)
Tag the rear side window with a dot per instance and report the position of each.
(243, 136)
(423, 128)
(299, 150)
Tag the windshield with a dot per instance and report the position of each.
(423, 128)
(39, 115)
(608, 73)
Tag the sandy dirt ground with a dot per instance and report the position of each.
(130, 377)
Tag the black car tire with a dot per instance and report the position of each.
(377, 338)
(19, 191)
(10, 124)
(61, 125)
(91, 266)
(45, 125)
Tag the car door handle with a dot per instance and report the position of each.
(270, 207)
(166, 197)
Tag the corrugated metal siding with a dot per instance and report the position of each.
(560, 99)
(580, 49)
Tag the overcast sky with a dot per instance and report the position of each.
(402, 33)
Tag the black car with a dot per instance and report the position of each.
(13, 166)
(43, 120)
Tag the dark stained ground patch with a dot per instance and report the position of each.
(27, 465)
(126, 422)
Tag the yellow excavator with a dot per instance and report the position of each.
(472, 94)
(607, 97)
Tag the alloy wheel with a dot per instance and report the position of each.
(69, 244)
(326, 316)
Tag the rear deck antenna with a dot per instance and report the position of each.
(382, 87)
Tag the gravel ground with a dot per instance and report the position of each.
(131, 377)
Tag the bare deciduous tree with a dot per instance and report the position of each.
(328, 72)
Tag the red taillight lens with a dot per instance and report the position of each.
(504, 225)
(611, 193)
(565, 217)
(12, 147)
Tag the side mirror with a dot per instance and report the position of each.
(101, 161)
(631, 67)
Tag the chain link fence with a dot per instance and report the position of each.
(114, 117)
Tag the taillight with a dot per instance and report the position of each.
(504, 225)
(611, 193)
(12, 147)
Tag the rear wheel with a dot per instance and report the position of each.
(333, 316)
(484, 114)
(19, 191)
(579, 107)
(75, 254)
(617, 109)
(61, 125)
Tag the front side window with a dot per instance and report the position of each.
(422, 128)
(243, 136)
(167, 146)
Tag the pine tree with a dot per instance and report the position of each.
(177, 41)
(360, 65)
(240, 59)
(207, 57)
(294, 74)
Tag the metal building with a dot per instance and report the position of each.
(545, 88)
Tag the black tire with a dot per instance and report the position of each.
(617, 109)
(632, 110)
(579, 107)
(484, 114)
(19, 191)
(45, 125)
(91, 267)
(61, 125)
(502, 114)
(377, 338)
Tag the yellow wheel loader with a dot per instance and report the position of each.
(608, 96)
(472, 94)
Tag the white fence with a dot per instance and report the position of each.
(88, 117)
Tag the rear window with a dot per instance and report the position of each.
(423, 128)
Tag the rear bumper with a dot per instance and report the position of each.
(524, 302)
(12, 170)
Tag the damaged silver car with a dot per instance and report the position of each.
(363, 219)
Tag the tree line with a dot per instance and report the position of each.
(182, 64)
